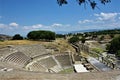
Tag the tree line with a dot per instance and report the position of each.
(105, 32)
(37, 35)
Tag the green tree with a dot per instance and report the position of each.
(114, 46)
(32, 35)
(17, 37)
(41, 35)
(83, 40)
(112, 35)
(93, 3)
(102, 38)
(107, 47)
(118, 54)
(60, 36)
(73, 39)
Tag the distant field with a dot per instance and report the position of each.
(18, 42)
(60, 44)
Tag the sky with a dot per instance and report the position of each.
(23, 16)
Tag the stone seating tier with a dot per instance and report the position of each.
(17, 58)
(64, 60)
(31, 50)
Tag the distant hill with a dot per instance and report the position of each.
(89, 30)
(82, 31)
(5, 37)
(79, 31)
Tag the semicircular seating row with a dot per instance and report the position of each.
(52, 64)
(6, 51)
(17, 58)
(31, 50)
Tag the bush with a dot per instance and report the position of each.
(114, 46)
(73, 39)
(97, 50)
(17, 37)
(118, 54)
(83, 40)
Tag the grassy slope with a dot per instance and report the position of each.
(60, 44)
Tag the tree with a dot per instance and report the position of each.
(73, 39)
(41, 35)
(114, 46)
(83, 39)
(92, 3)
(112, 35)
(60, 36)
(17, 37)
(118, 54)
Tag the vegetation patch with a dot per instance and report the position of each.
(41, 35)
(95, 55)
(73, 39)
(114, 46)
(69, 70)
(1, 40)
(97, 50)
(17, 37)
(59, 44)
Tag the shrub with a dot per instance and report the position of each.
(17, 37)
(83, 40)
(114, 46)
(74, 39)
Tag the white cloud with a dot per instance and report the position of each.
(7, 29)
(37, 26)
(13, 24)
(101, 21)
(106, 16)
(85, 21)
(60, 27)
(33, 27)
(54, 27)
(57, 25)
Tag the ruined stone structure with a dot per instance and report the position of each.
(34, 58)
(112, 63)
(33, 62)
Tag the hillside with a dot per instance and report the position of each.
(5, 37)
(60, 45)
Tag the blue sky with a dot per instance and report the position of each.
(22, 16)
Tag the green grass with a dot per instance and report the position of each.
(1, 40)
(69, 70)
(94, 55)
(97, 50)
